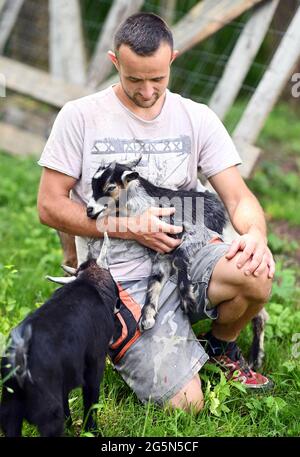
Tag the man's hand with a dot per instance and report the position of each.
(254, 247)
(150, 231)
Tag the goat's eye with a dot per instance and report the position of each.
(111, 188)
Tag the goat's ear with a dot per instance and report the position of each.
(61, 279)
(128, 176)
(101, 168)
(102, 260)
(113, 165)
(98, 173)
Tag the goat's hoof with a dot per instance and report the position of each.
(189, 305)
(146, 324)
(195, 288)
(255, 364)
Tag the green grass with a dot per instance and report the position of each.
(29, 251)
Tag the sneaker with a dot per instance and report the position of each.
(237, 369)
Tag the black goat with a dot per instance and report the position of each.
(198, 212)
(119, 188)
(59, 347)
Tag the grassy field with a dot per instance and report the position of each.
(29, 250)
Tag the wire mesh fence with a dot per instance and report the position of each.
(195, 73)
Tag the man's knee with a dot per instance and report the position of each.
(190, 398)
(257, 290)
(229, 282)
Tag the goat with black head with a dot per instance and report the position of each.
(117, 189)
(60, 346)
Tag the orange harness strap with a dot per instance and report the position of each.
(135, 309)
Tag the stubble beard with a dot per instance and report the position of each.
(135, 98)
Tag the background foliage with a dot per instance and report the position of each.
(29, 251)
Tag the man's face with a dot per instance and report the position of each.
(144, 78)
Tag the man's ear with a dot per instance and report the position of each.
(174, 56)
(112, 56)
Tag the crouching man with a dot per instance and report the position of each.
(175, 136)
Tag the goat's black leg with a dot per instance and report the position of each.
(256, 355)
(186, 288)
(161, 269)
(52, 423)
(52, 429)
(90, 390)
(11, 415)
(13, 428)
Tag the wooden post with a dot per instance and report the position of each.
(249, 154)
(39, 84)
(167, 10)
(203, 20)
(242, 57)
(9, 11)
(271, 84)
(66, 47)
(100, 66)
(20, 142)
(206, 18)
(2, 2)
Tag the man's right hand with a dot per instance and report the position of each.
(150, 231)
(146, 228)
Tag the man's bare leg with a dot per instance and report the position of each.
(239, 298)
(190, 397)
(69, 249)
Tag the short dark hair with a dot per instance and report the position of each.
(143, 33)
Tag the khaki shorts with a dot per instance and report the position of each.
(159, 362)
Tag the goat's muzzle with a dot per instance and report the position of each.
(94, 211)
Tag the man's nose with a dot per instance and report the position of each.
(147, 91)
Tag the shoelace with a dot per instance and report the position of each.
(233, 352)
(236, 355)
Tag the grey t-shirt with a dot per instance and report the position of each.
(97, 129)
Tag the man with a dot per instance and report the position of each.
(175, 136)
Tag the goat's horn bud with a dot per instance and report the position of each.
(69, 270)
(133, 162)
(61, 279)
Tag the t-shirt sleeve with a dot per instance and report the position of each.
(217, 150)
(63, 150)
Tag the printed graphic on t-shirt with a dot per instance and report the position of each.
(164, 161)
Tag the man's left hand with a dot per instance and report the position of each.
(254, 248)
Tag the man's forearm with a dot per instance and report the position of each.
(248, 216)
(69, 216)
